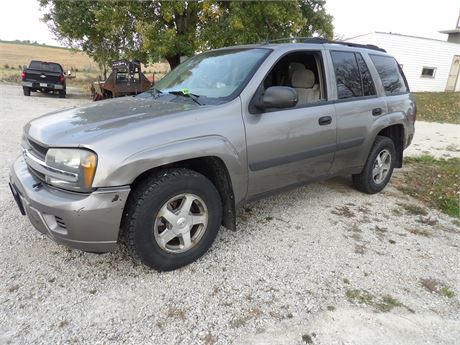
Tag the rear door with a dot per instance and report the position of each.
(357, 104)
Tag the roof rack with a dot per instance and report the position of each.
(322, 40)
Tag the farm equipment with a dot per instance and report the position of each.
(125, 79)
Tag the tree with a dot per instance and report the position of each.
(150, 30)
(105, 30)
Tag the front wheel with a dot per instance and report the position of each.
(379, 167)
(172, 219)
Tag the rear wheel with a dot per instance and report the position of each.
(172, 219)
(379, 167)
(62, 94)
(26, 91)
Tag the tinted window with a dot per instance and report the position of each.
(45, 66)
(347, 75)
(368, 83)
(389, 72)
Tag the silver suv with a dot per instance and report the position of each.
(162, 171)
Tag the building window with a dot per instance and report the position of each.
(428, 72)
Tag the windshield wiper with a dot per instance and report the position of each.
(186, 93)
(154, 92)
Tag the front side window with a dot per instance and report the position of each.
(213, 75)
(390, 74)
(301, 70)
(347, 74)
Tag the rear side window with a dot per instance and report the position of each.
(368, 83)
(390, 74)
(346, 75)
(352, 75)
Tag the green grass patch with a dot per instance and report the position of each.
(441, 107)
(382, 304)
(433, 181)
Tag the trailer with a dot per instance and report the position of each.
(125, 79)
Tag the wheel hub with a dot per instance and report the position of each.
(181, 223)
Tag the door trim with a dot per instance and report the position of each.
(318, 151)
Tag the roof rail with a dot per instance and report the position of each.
(322, 40)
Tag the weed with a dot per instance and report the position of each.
(307, 339)
(388, 303)
(330, 308)
(63, 323)
(346, 281)
(360, 296)
(396, 212)
(177, 313)
(392, 241)
(383, 304)
(446, 291)
(414, 210)
(344, 211)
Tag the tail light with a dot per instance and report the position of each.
(23, 75)
(61, 79)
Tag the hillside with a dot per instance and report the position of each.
(14, 54)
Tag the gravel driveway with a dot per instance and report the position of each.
(323, 264)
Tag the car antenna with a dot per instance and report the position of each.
(266, 31)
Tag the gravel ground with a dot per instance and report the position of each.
(323, 264)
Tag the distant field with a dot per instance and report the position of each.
(14, 55)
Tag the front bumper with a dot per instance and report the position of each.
(89, 222)
(46, 86)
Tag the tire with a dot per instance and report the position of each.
(26, 91)
(62, 94)
(144, 220)
(367, 181)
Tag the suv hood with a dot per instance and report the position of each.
(75, 126)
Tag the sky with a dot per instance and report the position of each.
(20, 19)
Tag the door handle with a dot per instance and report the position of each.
(377, 111)
(325, 120)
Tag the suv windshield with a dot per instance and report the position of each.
(214, 75)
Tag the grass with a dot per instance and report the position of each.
(433, 181)
(441, 107)
(382, 304)
(435, 286)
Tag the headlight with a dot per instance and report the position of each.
(80, 164)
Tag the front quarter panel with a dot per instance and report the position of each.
(216, 131)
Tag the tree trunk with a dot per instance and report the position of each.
(173, 60)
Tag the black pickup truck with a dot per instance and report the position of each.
(44, 77)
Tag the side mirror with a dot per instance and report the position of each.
(278, 97)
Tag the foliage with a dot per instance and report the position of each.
(433, 181)
(438, 106)
(150, 30)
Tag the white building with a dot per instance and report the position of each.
(429, 64)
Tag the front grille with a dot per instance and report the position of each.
(60, 222)
(37, 150)
(37, 174)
